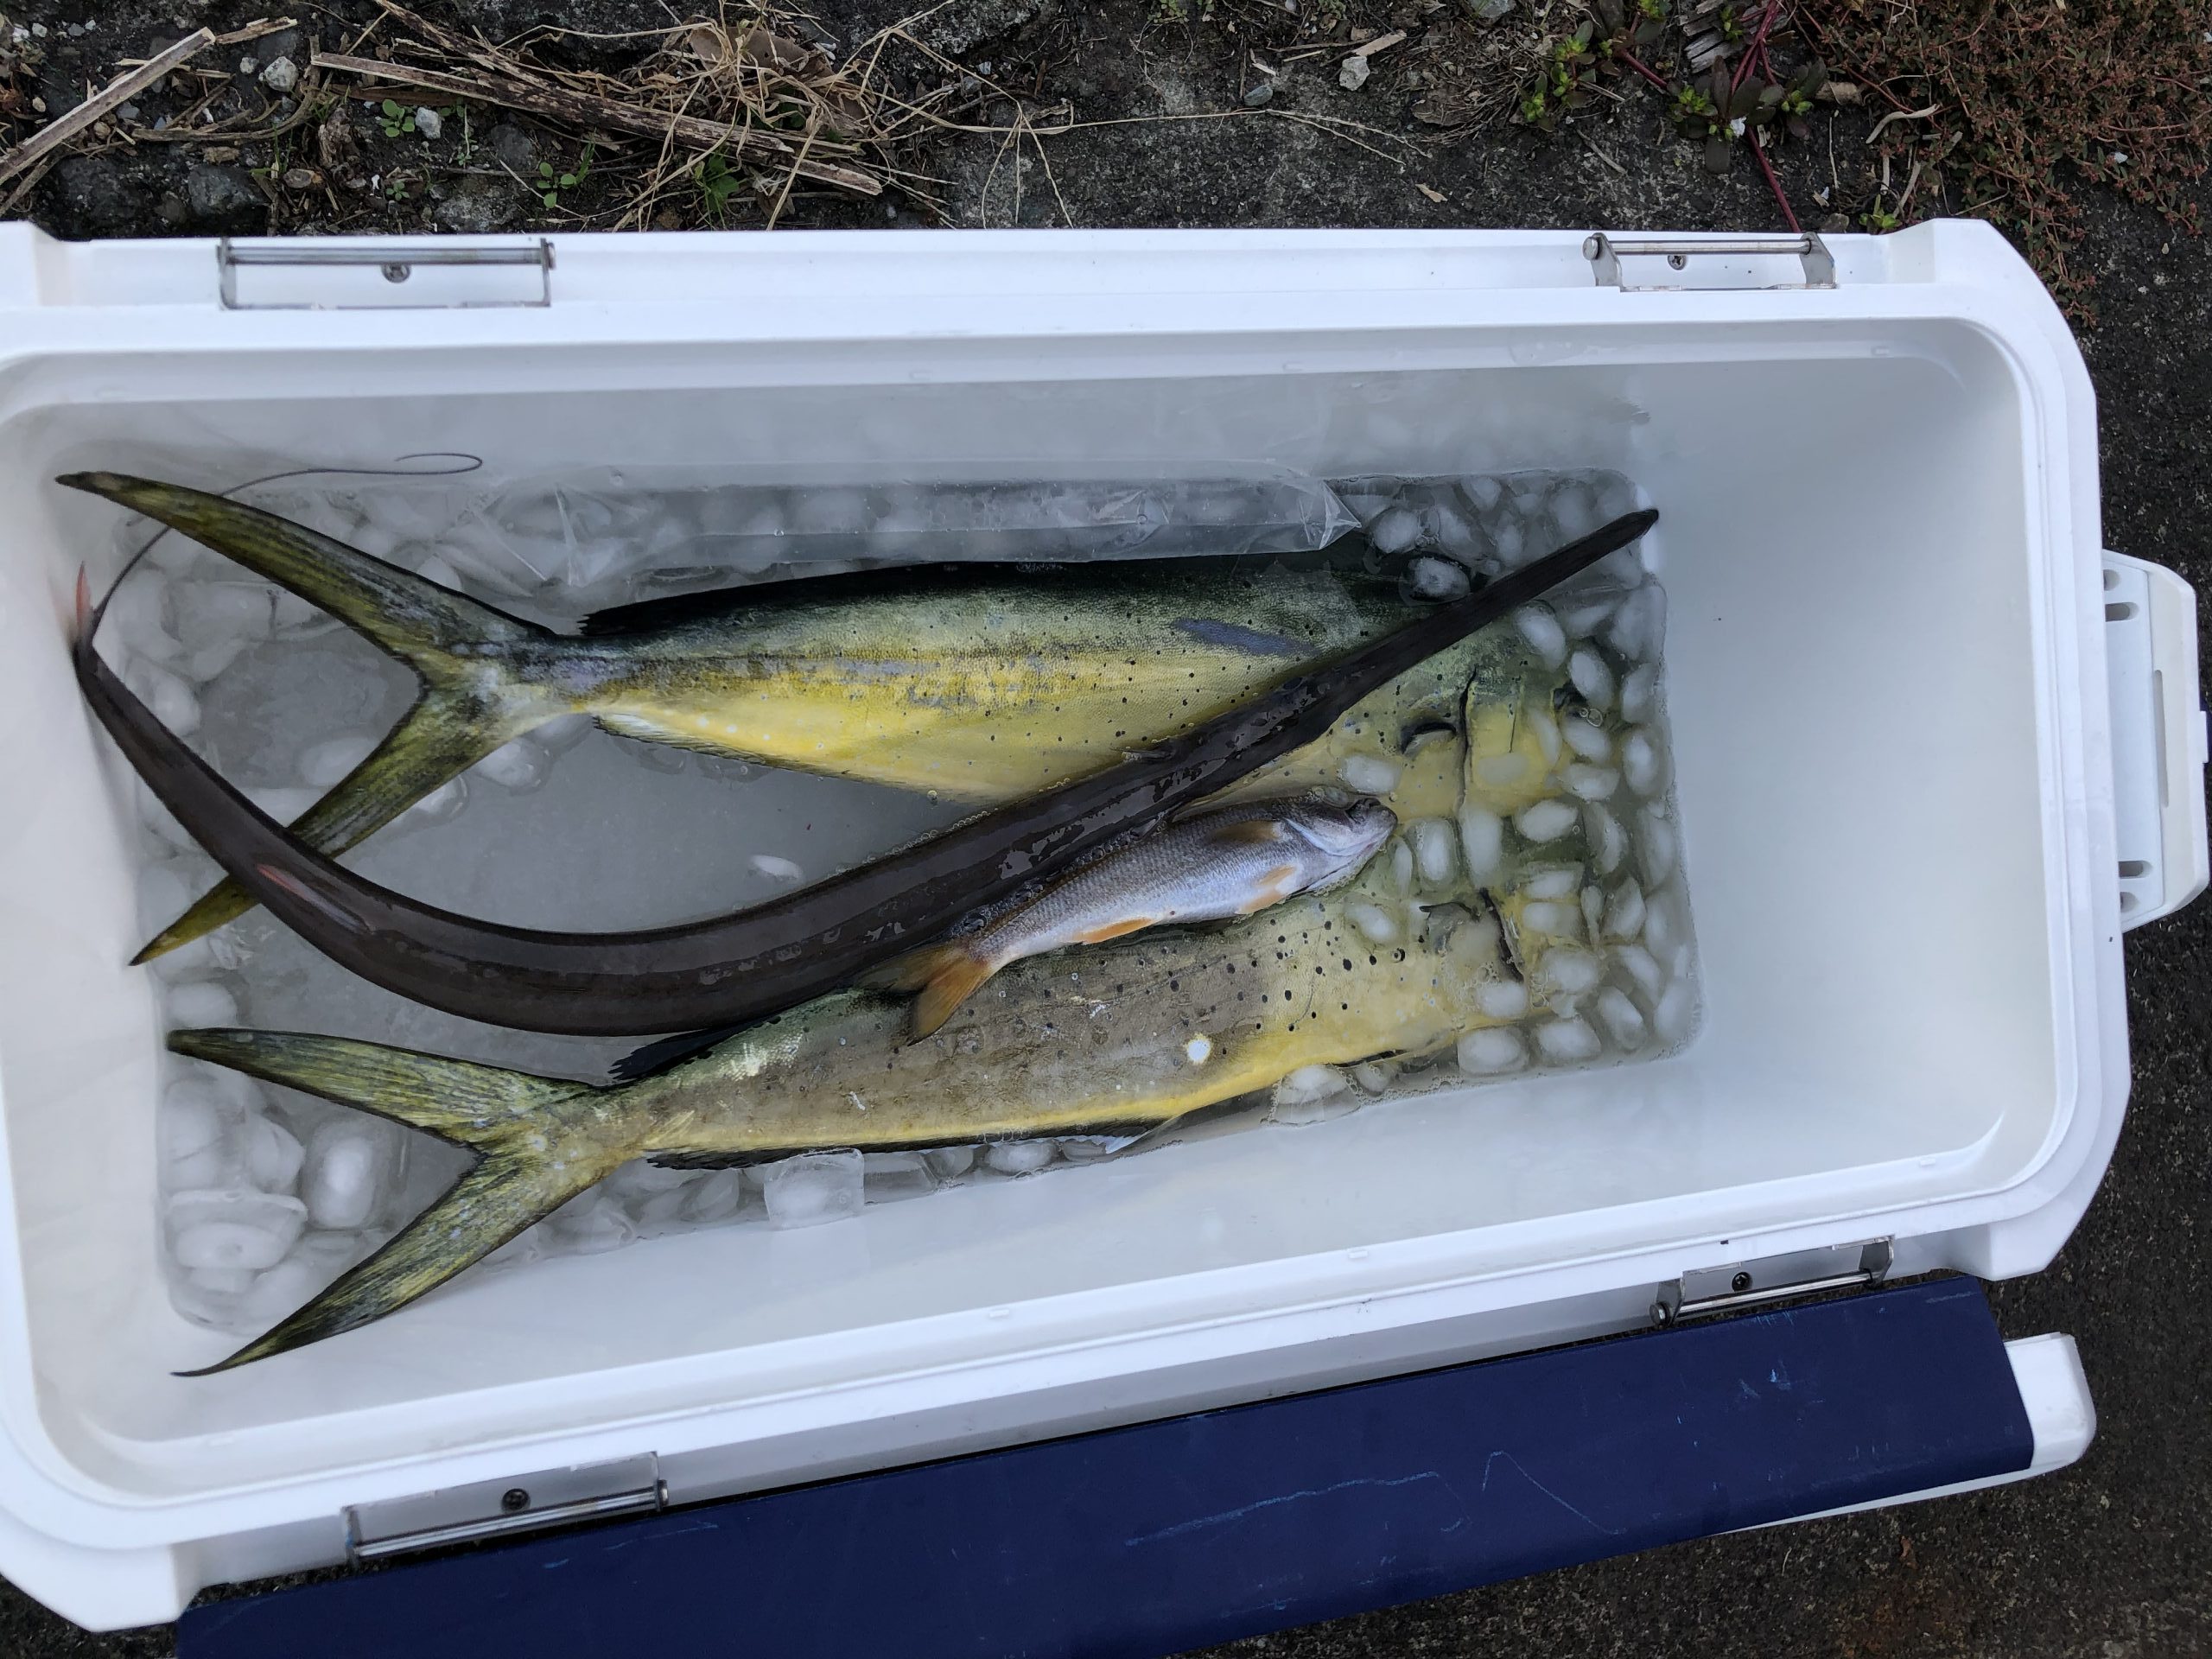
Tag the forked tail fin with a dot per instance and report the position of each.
(539, 1142)
(454, 644)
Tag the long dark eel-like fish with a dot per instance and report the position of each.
(728, 970)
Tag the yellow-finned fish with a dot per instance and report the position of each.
(1122, 1039)
(985, 682)
(1230, 862)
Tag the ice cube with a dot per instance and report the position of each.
(283, 804)
(330, 759)
(1502, 999)
(273, 1155)
(1376, 924)
(1676, 1012)
(1486, 1053)
(1573, 512)
(1373, 1076)
(1020, 1157)
(1608, 841)
(135, 618)
(951, 1162)
(1588, 782)
(218, 612)
(1310, 1083)
(1638, 625)
(442, 802)
(1541, 628)
(349, 1164)
(1394, 531)
(1482, 842)
(316, 1260)
(170, 697)
(1621, 1018)
(1433, 850)
(1569, 971)
(1540, 722)
(591, 1226)
(562, 732)
(1594, 911)
(436, 569)
(1659, 850)
(518, 766)
(1552, 884)
(1402, 867)
(289, 613)
(1583, 617)
(1587, 670)
(892, 1176)
(781, 871)
(197, 1139)
(377, 541)
(1568, 1041)
(815, 1187)
(717, 1198)
(1369, 774)
(1483, 492)
(641, 1180)
(1588, 740)
(1436, 579)
(210, 661)
(1508, 542)
(223, 1281)
(1545, 821)
(1641, 764)
(232, 1227)
(1640, 693)
(1641, 967)
(1624, 910)
(1550, 918)
(199, 1003)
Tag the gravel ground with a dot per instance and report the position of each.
(2108, 1561)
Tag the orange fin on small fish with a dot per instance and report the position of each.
(1273, 889)
(1107, 930)
(941, 975)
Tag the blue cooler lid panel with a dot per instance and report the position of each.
(1164, 1536)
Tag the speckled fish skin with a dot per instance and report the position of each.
(1126, 1038)
(1228, 862)
(984, 683)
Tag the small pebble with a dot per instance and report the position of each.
(281, 76)
(1259, 94)
(428, 123)
(1352, 73)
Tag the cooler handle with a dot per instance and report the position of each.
(2158, 739)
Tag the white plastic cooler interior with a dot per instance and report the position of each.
(1878, 541)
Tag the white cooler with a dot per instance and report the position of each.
(1935, 749)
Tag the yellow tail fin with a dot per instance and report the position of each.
(941, 975)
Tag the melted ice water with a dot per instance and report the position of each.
(269, 1194)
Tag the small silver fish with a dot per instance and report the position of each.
(1209, 868)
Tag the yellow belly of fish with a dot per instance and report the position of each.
(972, 734)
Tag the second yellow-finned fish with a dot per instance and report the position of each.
(1207, 868)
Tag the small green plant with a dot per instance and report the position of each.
(552, 184)
(718, 182)
(1170, 11)
(395, 118)
(1563, 83)
(458, 110)
(395, 187)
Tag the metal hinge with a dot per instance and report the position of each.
(380, 274)
(1730, 259)
(1773, 1278)
(501, 1508)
